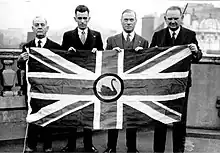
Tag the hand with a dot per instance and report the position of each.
(193, 48)
(24, 56)
(72, 49)
(94, 50)
(117, 49)
(138, 48)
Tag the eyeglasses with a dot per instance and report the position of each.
(80, 18)
(172, 19)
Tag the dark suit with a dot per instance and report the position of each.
(93, 40)
(119, 41)
(162, 38)
(34, 130)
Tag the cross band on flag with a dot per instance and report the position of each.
(61, 84)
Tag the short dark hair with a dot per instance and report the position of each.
(81, 8)
(174, 8)
(128, 10)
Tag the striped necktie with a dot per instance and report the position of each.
(128, 37)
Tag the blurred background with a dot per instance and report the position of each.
(16, 19)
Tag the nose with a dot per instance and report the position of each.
(129, 22)
(39, 26)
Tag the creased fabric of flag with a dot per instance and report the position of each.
(107, 90)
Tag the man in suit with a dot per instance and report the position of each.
(128, 39)
(40, 29)
(173, 35)
(81, 38)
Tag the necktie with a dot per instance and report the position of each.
(128, 37)
(39, 43)
(83, 37)
(173, 38)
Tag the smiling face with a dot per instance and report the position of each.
(173, 19)
(82, 19)
(128, 21)
(40, 27)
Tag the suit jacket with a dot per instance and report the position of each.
(71, 39)
(117, 41)
(162, 37)
(49, 45)
(21, 64)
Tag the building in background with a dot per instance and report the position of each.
(1, 39)
(201, 18)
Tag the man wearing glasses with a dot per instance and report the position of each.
(174, 35)
(81, 38)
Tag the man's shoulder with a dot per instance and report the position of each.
(115, 36)
(55, 44)
(161, 31)
(29, 44)
(186, 30)
(94, 32)
(51, 41)
(140, 37)
(69, 32)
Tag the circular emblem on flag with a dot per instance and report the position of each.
(108, 87)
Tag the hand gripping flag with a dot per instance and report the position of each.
(107, 89)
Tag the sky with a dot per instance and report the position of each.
(60, 13)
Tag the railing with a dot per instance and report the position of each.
(11, 80)
(13, 107)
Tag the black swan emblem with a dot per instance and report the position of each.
(106, 91)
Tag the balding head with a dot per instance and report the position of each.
(40, 27)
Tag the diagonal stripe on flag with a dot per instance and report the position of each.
(140, 106)
(74, 68)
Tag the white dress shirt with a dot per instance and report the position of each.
(176, 32)
(131, 35)
(80, 32)
(43, 41)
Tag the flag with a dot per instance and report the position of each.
(107, 90)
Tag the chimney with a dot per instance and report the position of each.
(147, 27)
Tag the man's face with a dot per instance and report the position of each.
(82, 19)
(173, 19)
(128, 21)
(40, 27)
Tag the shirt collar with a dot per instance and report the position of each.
(177, 32)
(131, 35)
(43, 41)
(80, 31)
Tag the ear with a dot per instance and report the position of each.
(75, 19)
(47, 28)
(32, 28)
(165, 18)
(89, 18)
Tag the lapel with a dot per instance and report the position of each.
(75, 36)
(118, 40)
(90, 40)
(180, 38)
(137, 41)
(163, 37)
(32, 43)
(47, 43)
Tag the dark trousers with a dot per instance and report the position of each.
(32, 136)
(87, 138)
(179, 132)
(130, 138)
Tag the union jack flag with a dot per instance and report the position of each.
(107, 89)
